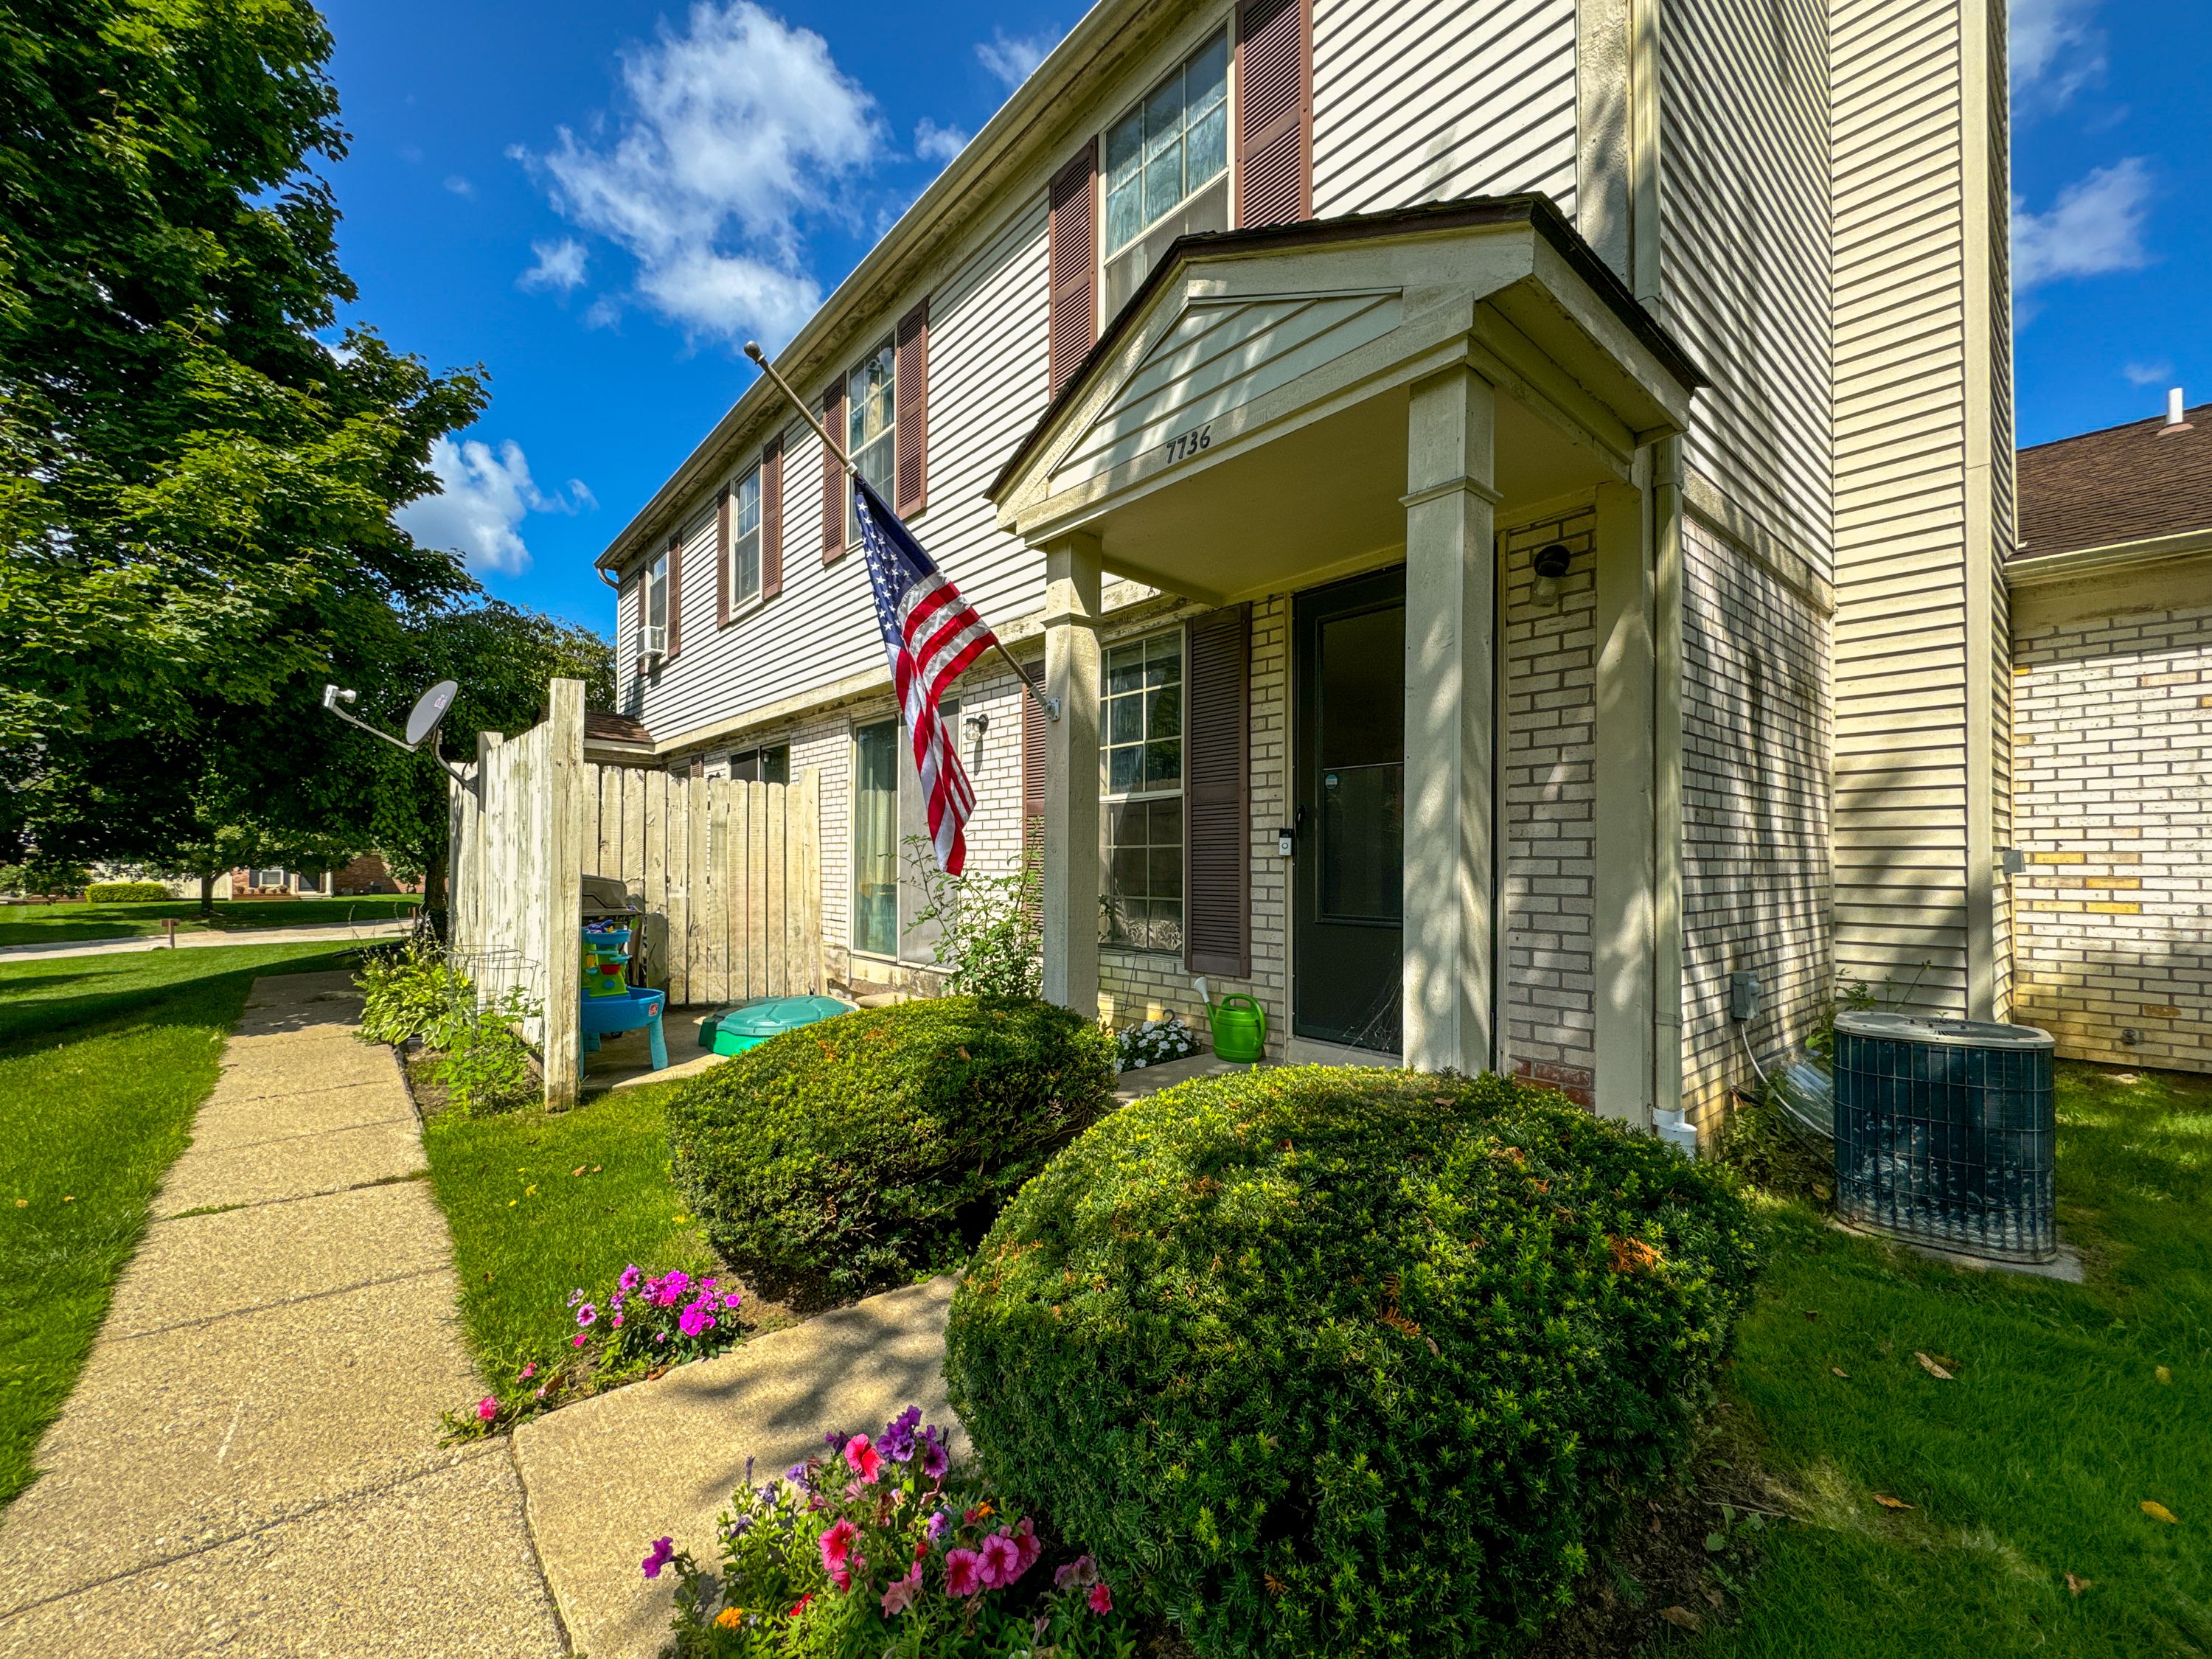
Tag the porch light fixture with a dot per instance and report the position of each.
(1550, 564)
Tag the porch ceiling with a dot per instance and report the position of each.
(1242, 426)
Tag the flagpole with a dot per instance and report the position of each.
(1049, 705)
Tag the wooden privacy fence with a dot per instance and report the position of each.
(728, 876)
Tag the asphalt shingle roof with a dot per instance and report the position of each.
(2122, 484)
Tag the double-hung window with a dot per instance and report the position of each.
(891, 831)
(1167, 167)
(872, 426)
(1140, 787)
(745, 540)
(656, 605)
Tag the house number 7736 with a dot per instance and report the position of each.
(1190, 442)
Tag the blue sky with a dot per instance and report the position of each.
(598, 200)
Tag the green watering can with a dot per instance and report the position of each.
(1240, 1028)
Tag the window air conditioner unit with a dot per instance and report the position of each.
(653, 642)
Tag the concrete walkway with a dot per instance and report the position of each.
(109, 947)
(249, 1465)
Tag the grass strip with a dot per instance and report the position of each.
(542, 1205)
(71, 924)
(103, 1062)
(2069, 1408)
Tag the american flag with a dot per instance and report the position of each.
(930, 633)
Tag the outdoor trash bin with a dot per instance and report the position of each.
(752, 1024)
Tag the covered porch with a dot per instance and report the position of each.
(1333, 421)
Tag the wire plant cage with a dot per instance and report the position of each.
(1945, 1132)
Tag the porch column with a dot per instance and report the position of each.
(1626, 824)
(1450, 602)
(1071, 774)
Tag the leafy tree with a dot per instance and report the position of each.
(195, 492)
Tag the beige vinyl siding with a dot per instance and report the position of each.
(1429, 101)
(1756, 856)
(986, 387)
(1909, 370)
(1744, 251)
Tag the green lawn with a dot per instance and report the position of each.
(103, 1060)
(65, 924)
(529, 1229)
(2035, 1461)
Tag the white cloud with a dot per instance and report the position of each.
(487, 493)
(560, 266)
(2054, 50)
(2158, 373)
(1011, 59)
(458, 184)
(736, 132)
(934, 144)
(2095, 227)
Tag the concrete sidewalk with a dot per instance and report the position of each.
(249, 1464)
(365, 933)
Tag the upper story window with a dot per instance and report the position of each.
(871, 425)
(656, 607)
(745, 540)
(1167, 167)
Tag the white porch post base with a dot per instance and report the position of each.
(1451, 598)
(1071, 871)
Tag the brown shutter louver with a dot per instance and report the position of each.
(723, 557)
(1072, 293)
(675, 596)
(644, 578)
(1217, 883)
(1274, 112)
(772, 518)
(833, 479)
(911, 440)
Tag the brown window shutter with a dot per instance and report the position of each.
(723, 557)
(1033, 734)
(1274, 112)
(1072, 293)
(1217, 929)
(772, 518)
(833, 479)
(675, 595)
(911, 441)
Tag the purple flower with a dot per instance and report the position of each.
(693, 1320)
(587, 1314)
(673, 1283)
(935, 1460)
(1081, 1572)
(797, 1475)
(628, 1282)
(897, 1442)
(664, 1552)
(835, 1441)
(939, 1523)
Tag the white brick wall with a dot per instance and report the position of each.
(1549, 800)
(2114, 735)
(1756, 872)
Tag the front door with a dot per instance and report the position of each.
(1348, 890)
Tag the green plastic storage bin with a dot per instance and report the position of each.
(752, 1024)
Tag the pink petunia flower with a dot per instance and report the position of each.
(486, 1408)
(1026, 1547)
(999, 1560)
(963, 1572)
(902, 1592)
(587, 1315)
(527, 1372)
(1102, 1599)
(864, 1459)
(628, 1282)
(1079, 1573)
(837, 1544)
(693, 1320)
(580, 1339)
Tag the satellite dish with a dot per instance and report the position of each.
(430, 709)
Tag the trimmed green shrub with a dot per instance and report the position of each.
(851, 1154)
(1346, 1362)
(124, 892)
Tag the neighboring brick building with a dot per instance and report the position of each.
(2111, 626)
